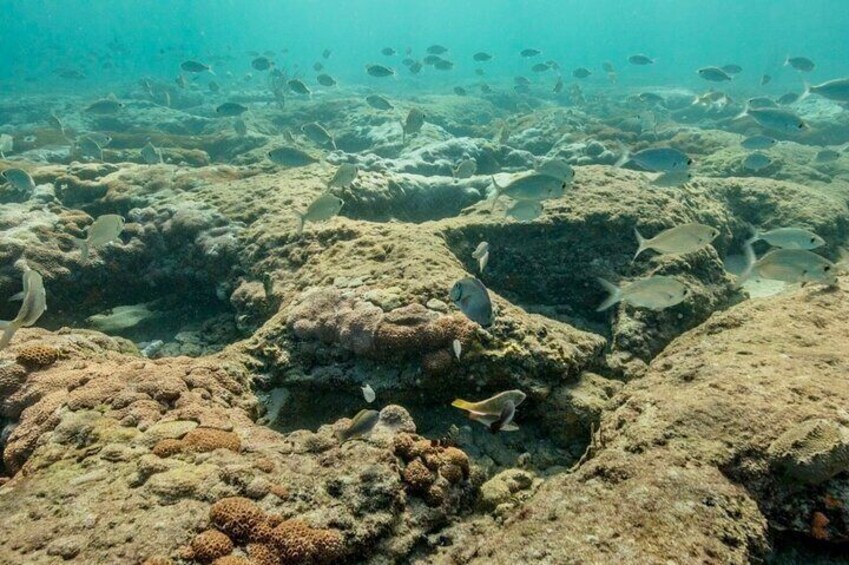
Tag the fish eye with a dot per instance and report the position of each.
(827, 268)
(813, 240)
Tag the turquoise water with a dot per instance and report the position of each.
(118, 41)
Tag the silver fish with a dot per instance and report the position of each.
(104, 229)
(457, 347)
(368, 393)
(657, 159)
(19, 179)
(464, 169)
(713, 74)
(774, 118)
(827, 156)
(318, 134)
(524, 210)
(379, 71)
(758, 142)
(530, 186)
(34, 304)
(557, 168)
(679, 240)
(321, 209)
(344, 176)
(756, 161)
(481, 253)
(655, 293)
(789, 265)
(672, 178)
(151, 154)
(104, 106)
(788, 238)
(472, 298)
(379, 102)
(837, 90)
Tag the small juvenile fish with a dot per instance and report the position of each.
(655, 293)
(326, 53)
(527, 53)
(388, 51)
(317, 134)
(379, 71)
(362, 424)
(540, 68)
(344, 176)
(758, 142)
(524, 210)
(679, 240)
(482, 56)
(464, 169)
(837, 90)
(412, 124)
(378, 102)
(481, 253)
(151, 154)
(321, 209)
(672, 179)
(90, 146)
(325, 80)
(415, 68)
(19, 179)
(732, 69)
(788, 238)
(318, 66)
(195, 67)
(460, 91)
(558, 86)
(756, 161)
(7, 143)
(33, 305)
(437, 50)
(713, 74)
(530, 186)
(640, 59)
(492, 409)
(213, 86)
(104, 106)
(443, 65)
(231, 109)
(472, 298)
(789, 265)
(765, 79)
(368, 393)
(431, 59)
(457, 347)
(581, 72)
(657, 159)
(291, 157)
(104, 229)
(299, 87)
(799, 63)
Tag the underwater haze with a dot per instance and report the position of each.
(425, 283)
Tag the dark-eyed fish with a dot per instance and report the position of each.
(799, 63)
(19, 179)
(378, 102)
(291, 157)
(344, 176)
(789, 265)
(655, 293)
(104, 229)
(657, 159)
(527, 53)
(837, 89)
(321, 209)
(679, 240)
(671, 179)
(774, 118)
(472, 298)
(230, 109)
(756, 161)
(104, 106)
(555, 167)
(758, 142)
(379, 71)
(530, 186)
(150, 154)
(361, 425)
(318, 134)
(500, 407)
(788, 238)
(827, 156)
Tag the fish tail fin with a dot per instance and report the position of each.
(623, 158)
(753, 233)
(301, 220)
(749, 251)
(806, 92)
(786, 61)
(615, 294)
(641, 244)
(9, 330)
(338, 434)
(333, 143)
(462, 404)
(14, 297)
